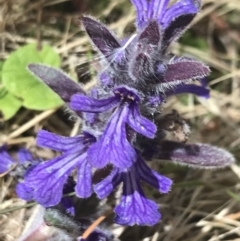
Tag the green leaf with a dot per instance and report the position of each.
(1, 65)
(9, 104)
(233, 195)
(19, 82)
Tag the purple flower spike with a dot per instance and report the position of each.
(5, 160)
(136, 76)
(58, 81)
(47, 179)
(195, 155)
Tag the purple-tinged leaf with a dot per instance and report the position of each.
(195, 155)
(175, 29)
(100, 36)
(150, 36)
(184, 70)
(140, 67)
(58, 81)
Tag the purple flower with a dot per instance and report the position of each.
(134, 207)
(114, 145)
(6, 161)
(47, 179)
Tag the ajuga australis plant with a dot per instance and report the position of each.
(122, 123)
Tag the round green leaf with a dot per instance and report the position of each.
(18, 81)
(9, 104)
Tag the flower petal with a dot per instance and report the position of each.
(148, 11)
(57, 142)
(113, 145)
(67, 201)
(157, 8)
(108, 184)
(141, 124)
(152, 178)
(84, 178)
(24, 155)
(24, 191)
(47, 179)
(181, 8)
(191, 89)
(5, 160)
(58, 81)
(135, 208)
(87, 104)
(142, 8)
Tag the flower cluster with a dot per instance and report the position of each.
(122, 125)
